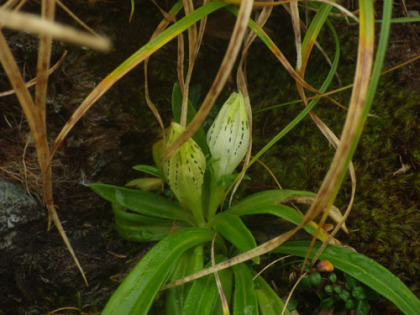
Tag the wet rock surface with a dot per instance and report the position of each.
(17, 209)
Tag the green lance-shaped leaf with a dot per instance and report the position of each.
(184, 170)
(244, 300)
(228, 136)
(142, 202)
(269, 303)
(190, 262)
(136, 293)
(139, 228)
(268, 198)
(151, 170)
(203, 297)
(231, 227)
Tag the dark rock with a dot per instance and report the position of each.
(17, 208)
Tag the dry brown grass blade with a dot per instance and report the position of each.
(352, 130)
(195, 40)
(294, 14)
(36, 122)
(259, 4)
(33, 114)
(286, 64)
(266, 267)
(342, 221)
(129, 64)
(331, 138)
(201, 30)
(192, 41)
(322, 51)
(35, 25)
(33, 81)
(225, 306)
(9, 4)
(291, 292)
(43, 62)
(349, 86)
(74, 17)
(220, 79)
(180, 61)
(160, 28)
(241, 81)
(269, 172)
(326, 131)
(335, 213)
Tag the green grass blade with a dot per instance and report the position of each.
(363, 269)
(313, 31)
(137, 292)
(202, 295)
(151, 170)
(244, 299)
(142, 202)
(268, 198)
(139, 228)
(232, 228)
(286, 213)
(191, 261)
(380, 55)
(203, 298)
(405, 19)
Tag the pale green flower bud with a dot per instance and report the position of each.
(228, 136)
(184, 171)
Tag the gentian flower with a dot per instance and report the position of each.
(228, 136)
(184, 170)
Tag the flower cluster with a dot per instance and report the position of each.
(227, 139)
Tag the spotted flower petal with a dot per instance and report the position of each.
(228, 137)
(184, 171)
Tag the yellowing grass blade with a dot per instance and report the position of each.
(355, 120)
(35, 118)
(135, 59)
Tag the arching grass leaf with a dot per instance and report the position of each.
(268, 198)
(244, 299)
(284, 212)
(232, 228)
(142, 202)
(269, 303)
(139, 228)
